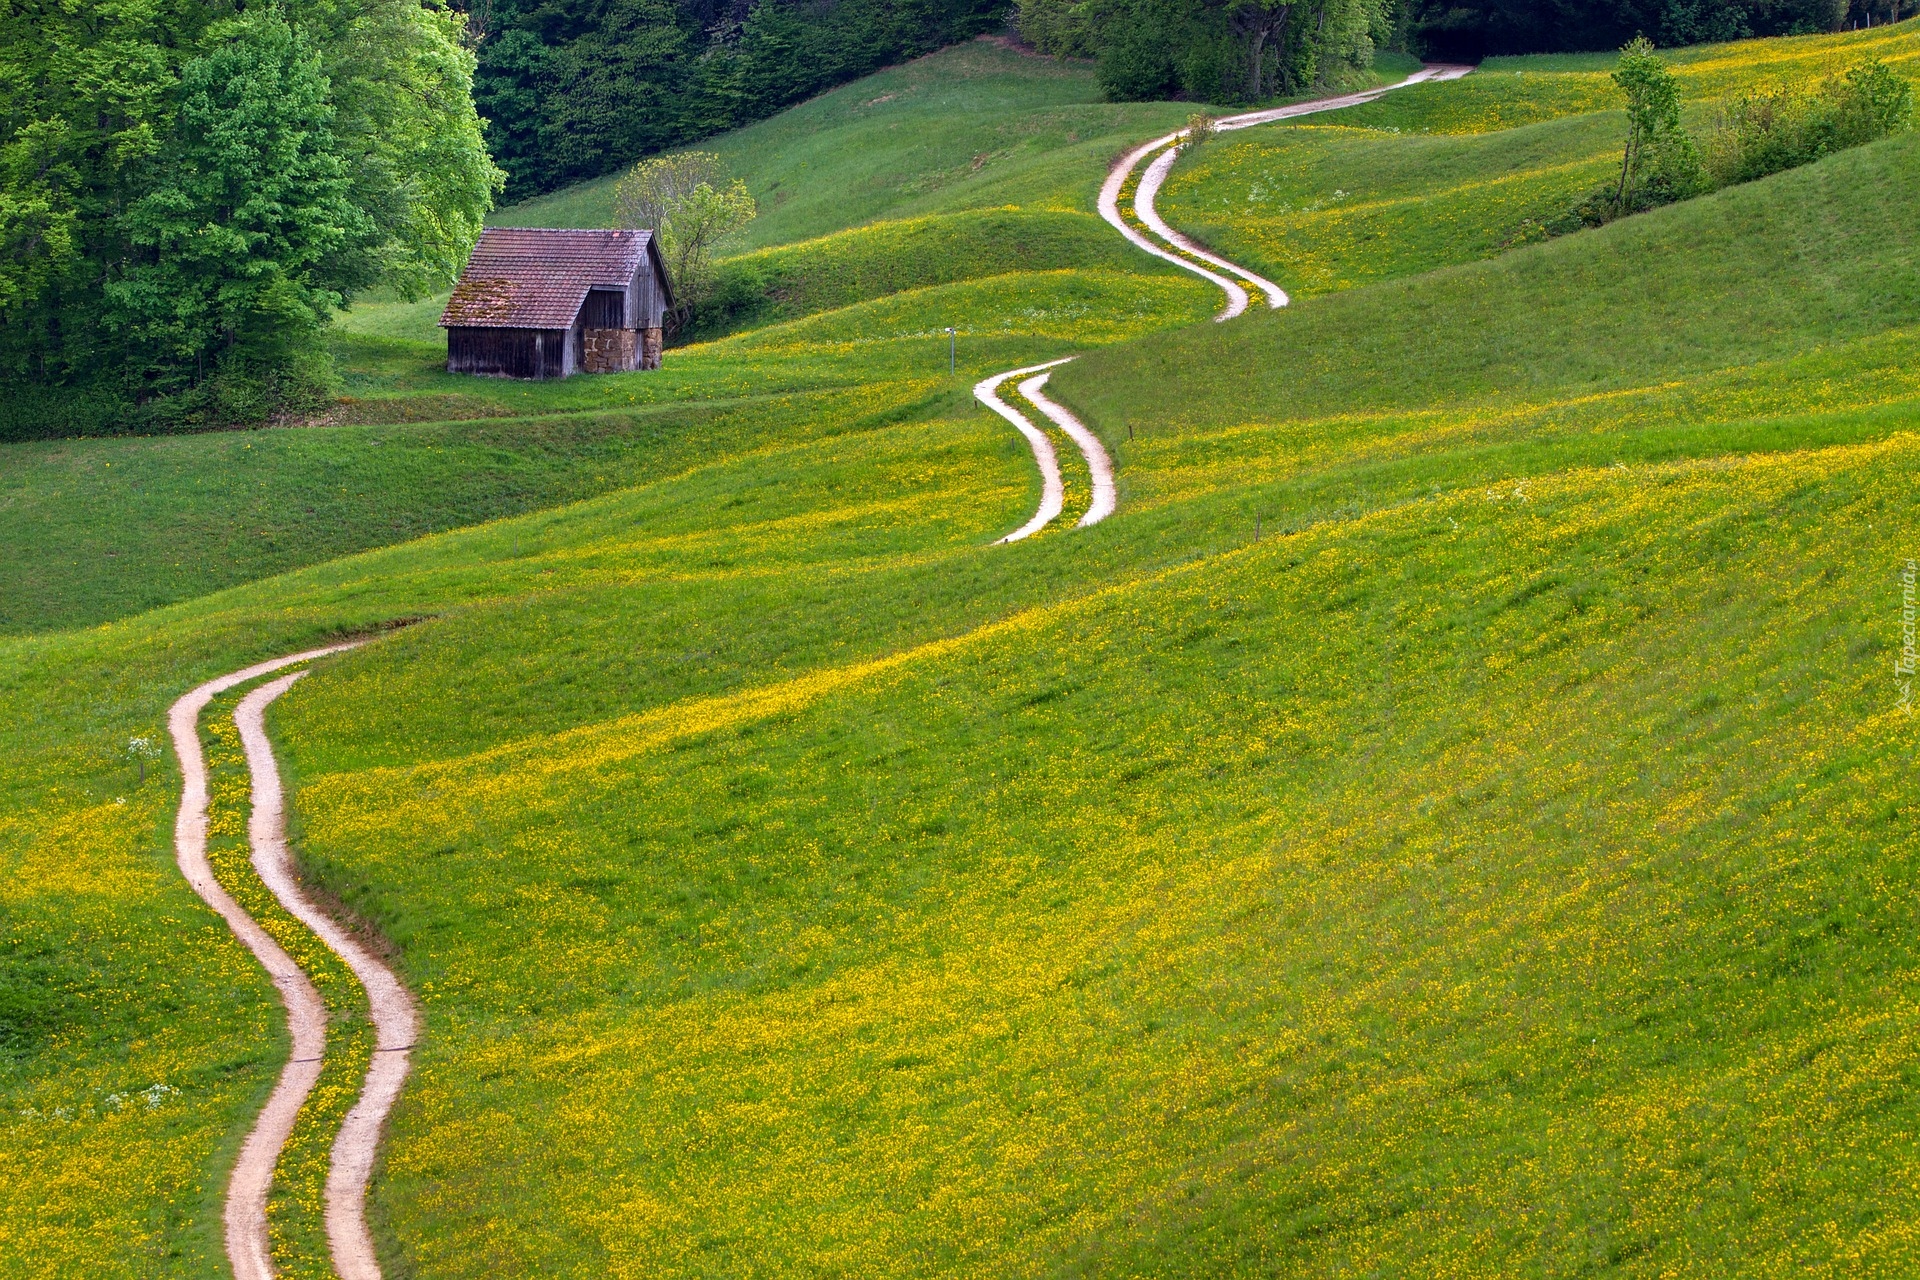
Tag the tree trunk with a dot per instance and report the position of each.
(1635, 145)
(1259, 26)
(1320, 46)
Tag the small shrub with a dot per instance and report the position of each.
(1761, 132)
(738, 296)
(1782, 127)
(1200, 128)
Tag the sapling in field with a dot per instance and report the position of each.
(1661, 164)
(681, 200)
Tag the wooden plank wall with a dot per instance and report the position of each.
(509, 353)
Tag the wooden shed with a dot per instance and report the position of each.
(545, 304)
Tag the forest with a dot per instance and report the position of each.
(1471, 29)
(191, 189)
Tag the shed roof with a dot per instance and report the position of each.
(530, 278)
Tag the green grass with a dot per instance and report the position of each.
(866, 263)
(1501, 867)
(1443, 174)
(411, 450)
(1307, 905)
(1710, 67)
(396, 320)
(1324, 208)
(107, 528)
(1580, 313)
(977, 126)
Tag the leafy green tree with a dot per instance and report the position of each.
(1256, 22)
(682, 200)
(1220, 50)
(231, 245)
(187, 192)
(1137, 45)
(1660, 163)
(86, 101)
(625, 83)
(401, 77)
(1060, 28)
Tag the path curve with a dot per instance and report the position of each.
(1168, 150)
(1143, 209)
(396, 1021)
(1052, 492)
(1099, 465)
(1110, 210)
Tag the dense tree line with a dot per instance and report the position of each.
(1238, 51)
(1470, 29)
(190, 188)
(1223, 51)
(577, 88)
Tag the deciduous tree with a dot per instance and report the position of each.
(187, 192)
(1660, 162)
(691, 210)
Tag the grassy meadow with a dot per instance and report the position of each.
(1453, 820)
(1436, 175)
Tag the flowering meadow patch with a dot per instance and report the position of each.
(296, 1210)
(136, 1030)
(1307, 920)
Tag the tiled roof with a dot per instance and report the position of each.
(534, 279)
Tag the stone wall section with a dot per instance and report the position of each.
(609, 350)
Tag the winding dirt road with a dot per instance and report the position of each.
(1168, 151)
(395, 1016)
(396, 1021)
(1169, 245)
(1099, 465)
(1052, 491)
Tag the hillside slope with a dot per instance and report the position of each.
(412, 450)
(1805, 258)
(1434, 176)
(1499, 866)
(1450, 820)
(977, 126)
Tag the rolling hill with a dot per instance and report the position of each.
(1451, 820)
